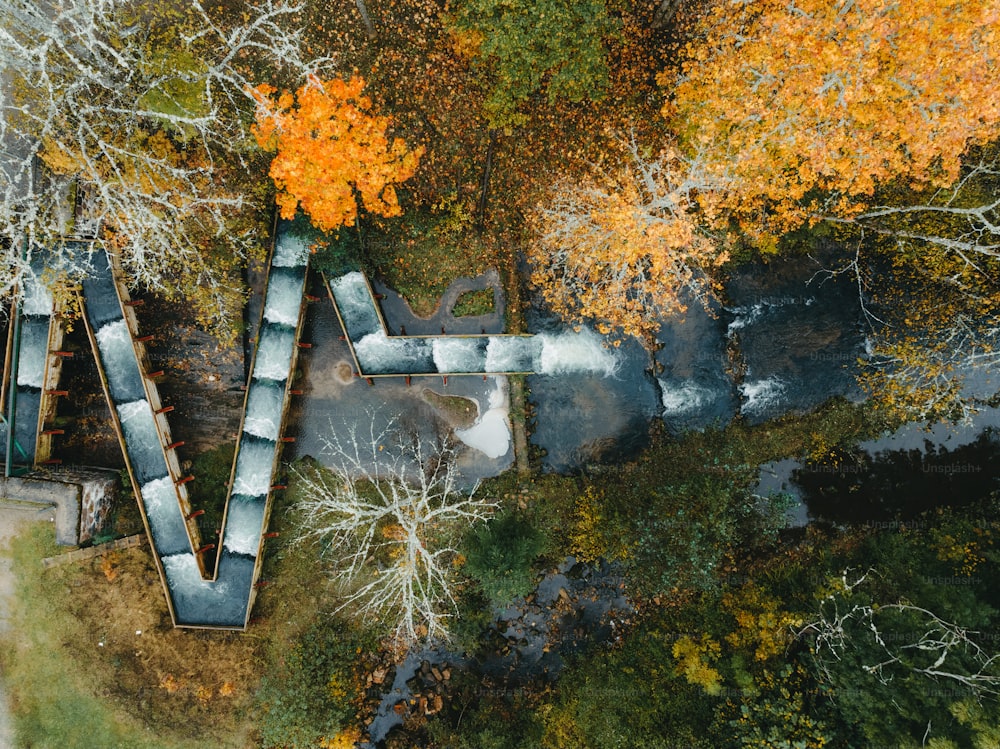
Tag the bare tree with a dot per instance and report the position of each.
(898, 638)
(388, 511)
(145, 109)
(926, 272)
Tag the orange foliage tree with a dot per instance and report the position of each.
(800, 110)
(331, 151)
(624, 246)
(879, 118)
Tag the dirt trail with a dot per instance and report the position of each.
(12, 521)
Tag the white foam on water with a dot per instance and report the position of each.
(749, 314)
(263, 414)
(490, 434)
(761, 394)
(379, 354)
(357, 308)
(160, 499)
(186, 583)
(583, 352)
(244, 525)
(744, 316)
(115, 343)
(141, 435)
(284, 300)
(454, 355)
(253, 468)
(274, 354)
(683, 398)
(37, 298)
(290, 251)
(33, 354)
(113, 334)
(512, 354)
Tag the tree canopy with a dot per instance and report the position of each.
(526, 46)
(623, 245)
(138, 114)
(331, 150)
(800, 111)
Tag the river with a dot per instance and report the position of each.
(786, 339)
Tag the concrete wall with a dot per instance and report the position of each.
(83, 499)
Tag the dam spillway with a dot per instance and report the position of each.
(195, 598)
(198, 595)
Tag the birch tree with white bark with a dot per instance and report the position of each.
(927, 266)
(388, 512)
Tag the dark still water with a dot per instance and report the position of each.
(785, 341)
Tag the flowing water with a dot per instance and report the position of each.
(143, 440)
(355, 304)
(576, 352)
(263, 411)
(34, 352)
(512, 354)
(284, 297)
(198, 601)
(29, 404)
(459, 354)
(799, 338)
(37, 298)
(244, 524)
(274, 353)
(100, 294)
(593, 401)
(785, 342)
(159, 497)
(290, 250)
(379, 354)
(253, 467)
(118, 357)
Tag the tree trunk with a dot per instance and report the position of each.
(369, 26)
(665, 12)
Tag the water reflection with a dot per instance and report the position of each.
(334, 399)
(861, 487)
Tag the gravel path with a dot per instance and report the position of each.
(12, 521)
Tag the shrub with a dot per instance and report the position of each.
(312, 695)
(499, 556)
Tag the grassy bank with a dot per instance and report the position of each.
(92, 660)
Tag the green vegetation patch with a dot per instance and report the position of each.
(422, 252)
(312, 695)
(211, 470)
(499, 556)
(82, 639)
(474, 303)
(458, 411)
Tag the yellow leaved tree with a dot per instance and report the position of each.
(801, 110)
(623, 245)
(331, 151)
(881, 120)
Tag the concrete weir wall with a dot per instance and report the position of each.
(197, 595)
(82, 497)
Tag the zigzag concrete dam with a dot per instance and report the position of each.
(222, 599)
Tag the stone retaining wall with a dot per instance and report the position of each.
(83, 499)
